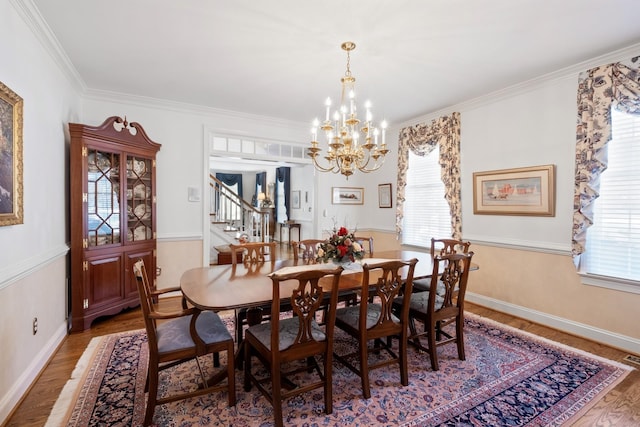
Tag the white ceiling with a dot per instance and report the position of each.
(282, 58)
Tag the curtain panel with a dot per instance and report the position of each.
(421, 139)
(609, 86)
(283, 174)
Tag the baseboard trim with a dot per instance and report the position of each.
(618, 341)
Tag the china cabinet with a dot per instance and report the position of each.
(113, 216)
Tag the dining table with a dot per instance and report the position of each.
(225, 287)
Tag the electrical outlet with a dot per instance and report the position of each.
(35, 325)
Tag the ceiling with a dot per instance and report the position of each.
(282, 58)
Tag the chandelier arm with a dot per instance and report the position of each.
(330, 168)
(363, 167)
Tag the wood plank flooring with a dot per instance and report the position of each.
(620, 407)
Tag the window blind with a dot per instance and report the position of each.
(426, 212)
(613, 241)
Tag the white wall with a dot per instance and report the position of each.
(33, 254)
(528, 128)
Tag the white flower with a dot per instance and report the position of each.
(357, 247)
(320, 252)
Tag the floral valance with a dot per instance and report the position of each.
(421, 139)
(609, 86)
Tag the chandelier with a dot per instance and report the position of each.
(349, 147)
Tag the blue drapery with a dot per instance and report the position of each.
(283, 174)
(230, 179)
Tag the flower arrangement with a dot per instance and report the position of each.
(340, 247)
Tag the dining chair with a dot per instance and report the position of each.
(309, 250)
(365, 242)
(254, 256)
(437, 308)
(441, 247)
(296, 338)
(373, 319)
(253, 252)
(306, 249)
(180, 336)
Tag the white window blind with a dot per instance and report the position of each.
(426, 212)
(613, 241)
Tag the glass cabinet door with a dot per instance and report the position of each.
(139, 199)
(103, 200)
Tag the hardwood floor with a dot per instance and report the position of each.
(620, 407)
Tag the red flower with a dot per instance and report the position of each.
(343, 231)
(343, 250)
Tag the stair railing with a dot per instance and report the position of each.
(229, 208)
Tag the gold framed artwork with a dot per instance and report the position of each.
(11, 210)
(519, 191)
(384, 195)
(347, 195)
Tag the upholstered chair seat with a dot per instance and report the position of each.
(175, 335)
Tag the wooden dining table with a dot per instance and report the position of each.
(224, 287)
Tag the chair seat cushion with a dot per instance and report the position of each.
(288, 332)
(351, 315)
(419, 302)
(174, 334)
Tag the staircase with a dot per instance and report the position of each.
(233, 220)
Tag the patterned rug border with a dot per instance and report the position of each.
(77, 389)
(588, 401)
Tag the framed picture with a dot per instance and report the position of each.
(295, 199)
(347, 195)
(521, 191)
(10, 157)
(384, 195)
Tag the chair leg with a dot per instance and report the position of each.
(205, 384)
(216, 359)
(404, 369)
(414, 332)
(153, 393)
(239, 318)
(431, 337)
(328, 384)
(231, 374)
(364, 370)
(247, 367)
(460, 337)
(276, 394)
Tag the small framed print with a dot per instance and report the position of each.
(384, 195)
(295, 199)
(347, 195)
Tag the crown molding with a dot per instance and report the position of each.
(570, 72)
(183, 107)
(39, 27)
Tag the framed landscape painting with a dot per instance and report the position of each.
(347, 195)
(521, 191)
(10, 157)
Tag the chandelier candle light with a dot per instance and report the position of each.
(346, 151)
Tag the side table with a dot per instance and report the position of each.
(290, 225)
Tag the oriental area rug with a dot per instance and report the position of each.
(510, 378)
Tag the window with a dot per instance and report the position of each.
(426, 212)
(613, 241)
